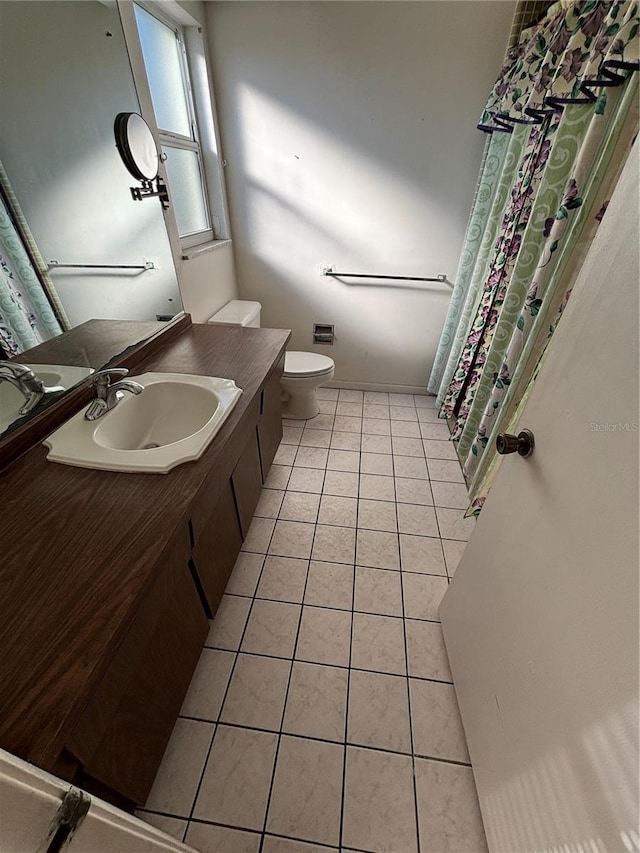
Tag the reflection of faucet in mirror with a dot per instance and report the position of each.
(108, 395)
(27, 383)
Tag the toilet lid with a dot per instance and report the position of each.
(306, 364)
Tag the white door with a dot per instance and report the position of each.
(541, 619)
(30, 799)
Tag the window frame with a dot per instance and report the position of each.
(171, 139)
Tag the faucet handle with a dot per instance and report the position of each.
(16, 369)
(103, 377)
(110, 371)
(22, 373)
(102, 380)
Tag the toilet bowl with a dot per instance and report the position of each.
(304, 372)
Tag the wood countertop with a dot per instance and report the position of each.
(78, 546)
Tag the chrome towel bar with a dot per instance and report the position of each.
(148, 265)
(329, 272)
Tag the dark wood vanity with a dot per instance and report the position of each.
(107, 579)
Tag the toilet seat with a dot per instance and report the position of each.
(300, 365)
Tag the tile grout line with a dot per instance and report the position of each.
(347, 527)
(346, 718)
(293, 658)
(343, 609)
(338, 666)
(254, 598)
(444, 559)
(224, 698)
(408, 686)
(346, 710)
(346, 742)
(423, 456)
(351, 617)
(351, 614)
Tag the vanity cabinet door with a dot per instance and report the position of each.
(218, 533)
(217, 547)
(247, 482)
(270, 420)
(123, 732)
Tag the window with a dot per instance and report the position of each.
(165, 60)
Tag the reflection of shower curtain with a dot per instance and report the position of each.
(563, 114)
(26, 315)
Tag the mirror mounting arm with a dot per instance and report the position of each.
(147, 191)
(138, 150)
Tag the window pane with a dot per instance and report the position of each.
(185, 187)
(162, 61)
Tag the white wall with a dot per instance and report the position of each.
(65, 76)
(207, 282)
(349, 131)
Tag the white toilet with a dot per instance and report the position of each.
(304, 372)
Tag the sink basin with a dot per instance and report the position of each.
(52, 375)
(171, 422)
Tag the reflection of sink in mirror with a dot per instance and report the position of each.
(171, 422)
(51, 375)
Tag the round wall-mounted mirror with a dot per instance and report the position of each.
(136, 145)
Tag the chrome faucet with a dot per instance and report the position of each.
(25, 380)
(108, 395)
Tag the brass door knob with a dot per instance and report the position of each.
(523, 443)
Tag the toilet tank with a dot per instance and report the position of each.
(238, 312)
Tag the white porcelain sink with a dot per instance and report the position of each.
(171, 422)
(52, 375)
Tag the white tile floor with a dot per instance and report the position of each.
(322, 714)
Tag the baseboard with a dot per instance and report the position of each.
(377, 386)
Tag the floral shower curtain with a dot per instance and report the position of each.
(26, 315)
(566, 102)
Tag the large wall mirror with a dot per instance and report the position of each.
(91, 253)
